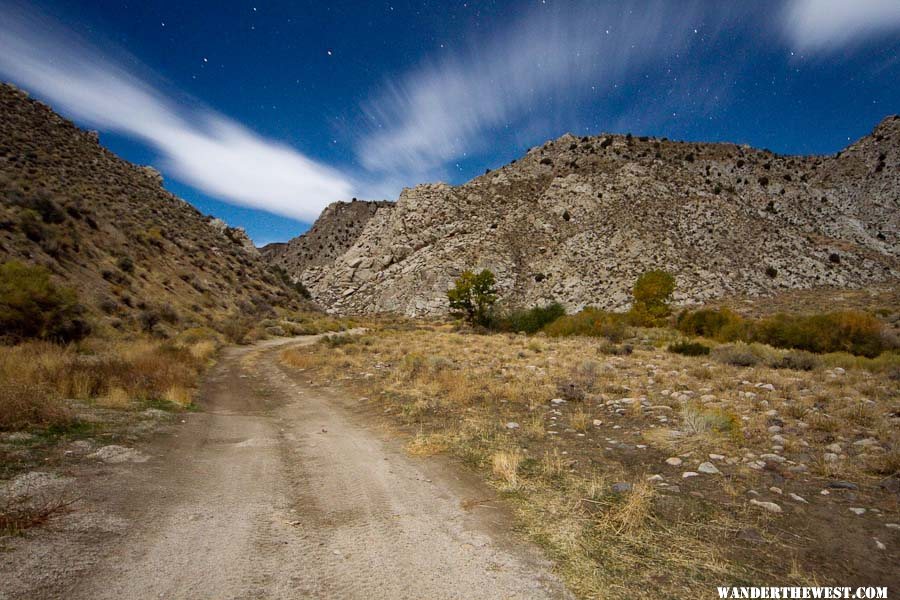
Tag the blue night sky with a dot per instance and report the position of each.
(263, 112)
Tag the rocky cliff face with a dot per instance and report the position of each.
(578, 219)
(109, 229)
(333, 233)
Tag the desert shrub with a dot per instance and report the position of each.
(843, 331)
(26, 403)
(589, 321)
(336, 341)
(721, 324)
(798, 360)
(32, 307)
(698, 420)
(611, 349)
(235, 329)
(652, 293)
(32, 226)
(286, 279)
(472, 297)
(531, 320)
(739, 355)
(689, 349)
(125, 264)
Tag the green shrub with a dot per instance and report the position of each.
(689, 349)
(472, 297)
(531, 320)
(739, 355)
(592, 322)
(844, 331)
(797, 360)
(720, 324)
(32, 307)
(652, 293)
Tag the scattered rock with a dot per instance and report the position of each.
(674, 461)
(688, 474)
(769, 506)
(119, 454)
(622, 487)
(512, 425)
(798, 498)
(708, 468)
(842, 485)
(857, 511)
(890, 484)
(776, 458)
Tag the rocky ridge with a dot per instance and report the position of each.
(578, 219)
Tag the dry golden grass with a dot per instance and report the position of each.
(505, 466)
(37, 379)
(179, 396)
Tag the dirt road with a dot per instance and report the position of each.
(277, 489)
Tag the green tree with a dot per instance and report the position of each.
(652, 293)
(472, 296)
(31, 306)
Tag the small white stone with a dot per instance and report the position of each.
(717, 457)
(878, 544)
(597, 422)
(708, 468)
(857, 511)
(674, 461)
(892, 525)
(776, 490)
(688, 474)
(656, 477)
(512, 425)
(798, 498)
(769, 506)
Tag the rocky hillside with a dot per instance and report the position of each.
(578, 219)
(135, 253)
(333, 233)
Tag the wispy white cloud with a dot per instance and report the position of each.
(547, 60)
(196, 145)
(828, 25)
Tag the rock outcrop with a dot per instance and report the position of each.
(578, 219)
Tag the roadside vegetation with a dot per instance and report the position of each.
(652, 474)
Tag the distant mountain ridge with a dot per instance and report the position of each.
(133, 251)
(578, 219)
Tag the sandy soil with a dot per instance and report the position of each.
(274, 489)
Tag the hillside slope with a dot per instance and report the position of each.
(132, 250)
(333, 233)
(578, 219)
